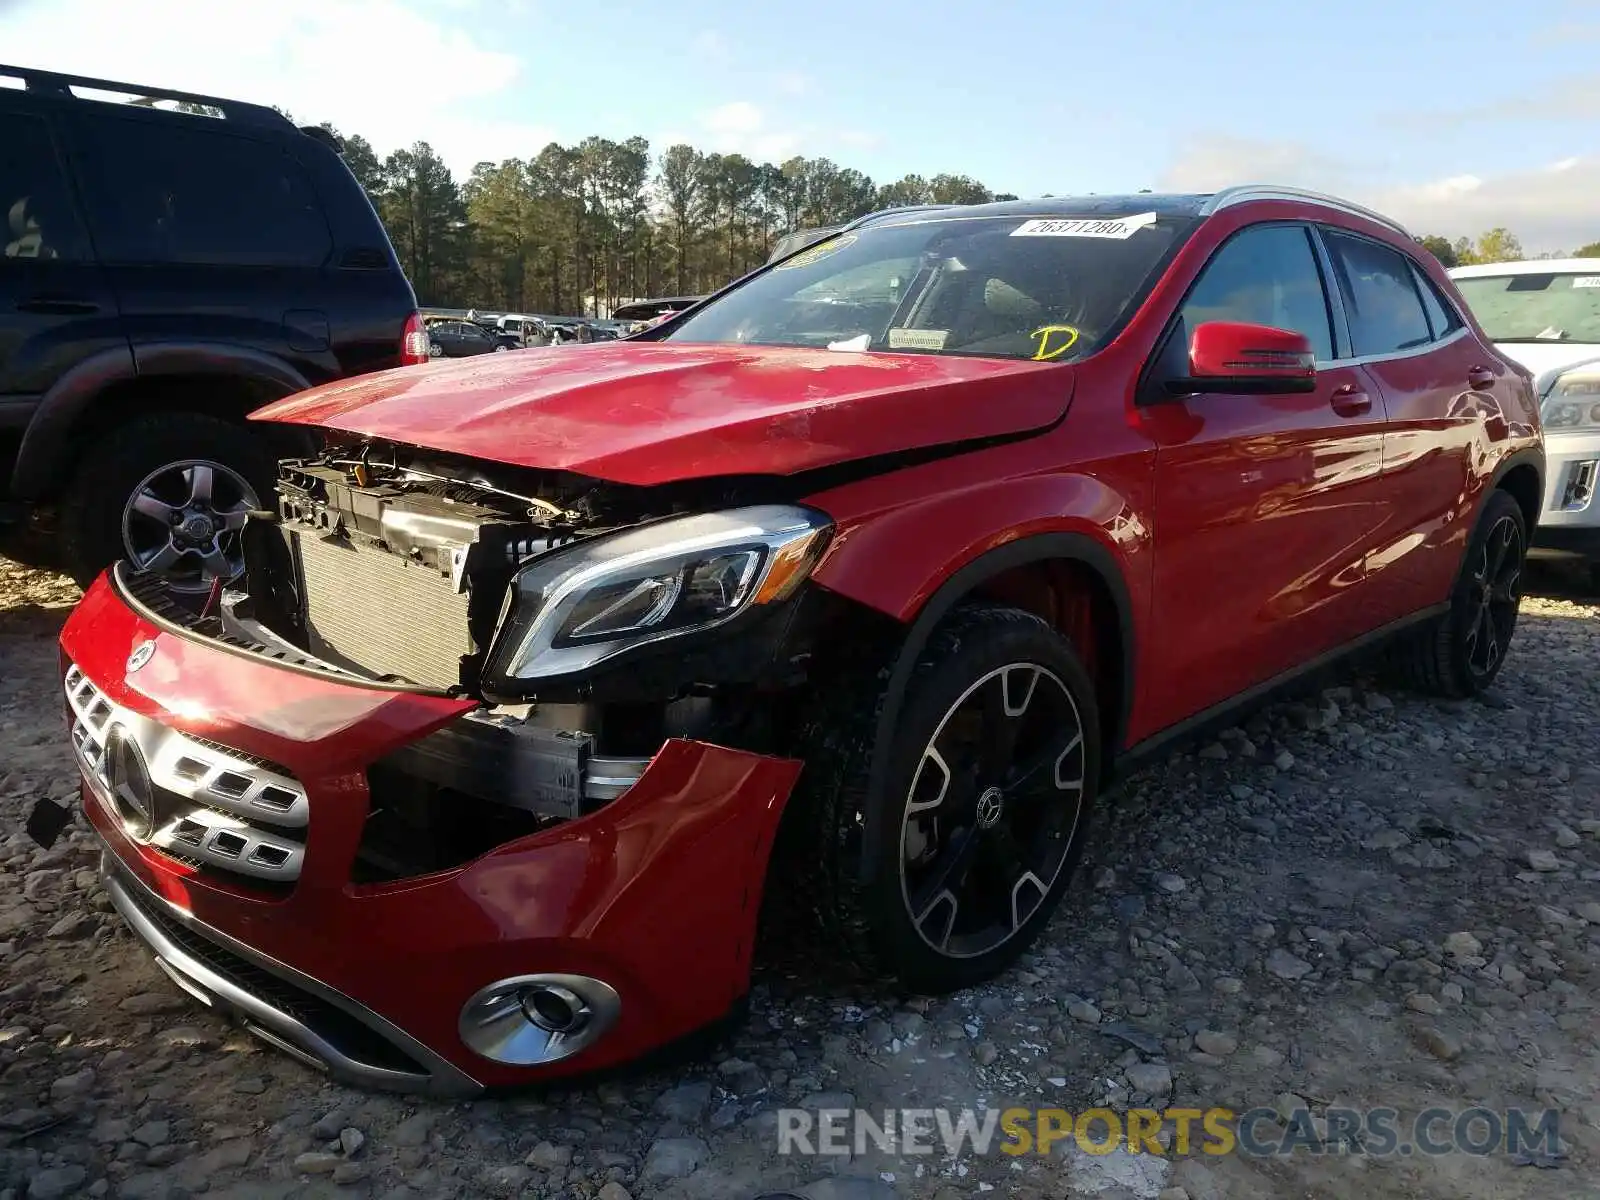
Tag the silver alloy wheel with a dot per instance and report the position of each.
(183, 522)
(989, 819)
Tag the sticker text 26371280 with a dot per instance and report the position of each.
(1119, 228)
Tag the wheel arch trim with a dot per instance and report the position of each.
(45, 443)
(1056, 546)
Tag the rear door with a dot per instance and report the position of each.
(207, 234)
(1443, 394)
(56, 309)
(1266, 506)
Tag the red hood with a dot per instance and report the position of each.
(649, 413)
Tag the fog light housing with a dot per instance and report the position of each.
(528, 1020)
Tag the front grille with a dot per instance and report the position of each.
(199, 802)
(381, 612)
(340, 1029)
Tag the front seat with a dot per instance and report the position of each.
(27, 239)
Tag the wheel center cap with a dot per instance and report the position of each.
(990, 805)
(197, 527)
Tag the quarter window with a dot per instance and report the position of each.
(174, 195)
(1265, 275)
(1385, 311)
(37, 221)
(1442, 318)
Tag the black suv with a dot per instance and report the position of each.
(170, 263)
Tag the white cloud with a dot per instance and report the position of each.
(1549, 207)
(708, 43)
(742, 128)
(792, 83)
(374, 67)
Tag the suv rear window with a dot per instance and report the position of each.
(166, 194)
(997, 287)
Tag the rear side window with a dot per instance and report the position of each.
(168, 194)
(1386, 313)
(37, 221)
(1442, 317)
(1265, 275)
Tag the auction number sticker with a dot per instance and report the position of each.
(817, 253)
(918, 339)
(1586, 281)
(1119, 228)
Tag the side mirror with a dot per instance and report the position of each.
(1232, 356)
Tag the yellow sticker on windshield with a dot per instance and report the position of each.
(817, 253)
(1044, 332)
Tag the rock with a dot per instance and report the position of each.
(250, 1085)
(150, 1004)
(1437, 1042)
(985, 1053)
(1287, 966)
(1543, 860)
(1423, 1003)
(79, 1083)
(1567, 838)
(316, 1162)
(56, 1182)
(687, 1102)
(673, 1158)
(1387, 839)
(329, 1124)
(73, 925)
(1170, 883)
(613, 1191)
(1216, 751)
(153, 1133)
(1153, 1079)
(1128, 908)
(1589, 911)
(1463, 945)
(1082, 1010)
(1284, 761)
(548, 1156)
(413, 1131)
(1216, 1043)
(351, 1140)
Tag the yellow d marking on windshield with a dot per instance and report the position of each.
(1043, 334)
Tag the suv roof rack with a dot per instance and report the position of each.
(1228, 197)
(53, 83)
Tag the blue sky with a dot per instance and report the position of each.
(1453, 116)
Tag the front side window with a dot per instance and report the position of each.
(1381, 301)
(37, 222)
(163, 194)
(1543, 307)
(1265, 275)
(1048, 289)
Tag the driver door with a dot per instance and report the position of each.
(1265, 506)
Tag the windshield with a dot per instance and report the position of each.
(994, 287)
(1535, 308)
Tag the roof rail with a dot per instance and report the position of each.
(1228, 197)
(56, 84)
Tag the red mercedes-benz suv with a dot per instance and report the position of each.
(853, 586)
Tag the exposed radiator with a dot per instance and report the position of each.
(380, 612)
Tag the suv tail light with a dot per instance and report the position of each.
(414, 342)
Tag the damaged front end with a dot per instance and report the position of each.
(589, 623)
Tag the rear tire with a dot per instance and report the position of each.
(992, 775)
(1459, 654)
(97, 500)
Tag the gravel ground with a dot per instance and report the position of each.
(1360, 899)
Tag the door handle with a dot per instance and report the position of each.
(1480, 378)
(57, 306)
(1350, 401)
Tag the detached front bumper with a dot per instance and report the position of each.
(1569, 524)
(421, 983)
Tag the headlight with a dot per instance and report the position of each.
(576, 607)
(1573, 403)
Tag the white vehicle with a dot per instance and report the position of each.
(1546, 315)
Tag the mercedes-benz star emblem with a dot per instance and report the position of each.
(990, 805)
(142, 653)
(131, 787)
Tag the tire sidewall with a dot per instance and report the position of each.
(1014, 638)
(1497, 505)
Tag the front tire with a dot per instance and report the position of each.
(992, 774)
(169, 491)
(1459, 654)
